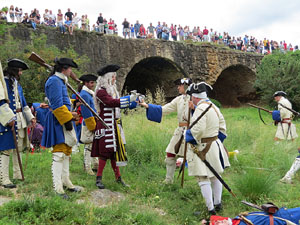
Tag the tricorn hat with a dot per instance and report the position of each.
(197, 89)
(181, 81)
(107, 69)
(279, 93)
(88, 77)
(17, 63)
(65, 61)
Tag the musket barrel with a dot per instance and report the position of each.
(258, 107)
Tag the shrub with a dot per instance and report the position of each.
(279, 72)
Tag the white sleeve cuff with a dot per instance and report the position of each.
(6, 114)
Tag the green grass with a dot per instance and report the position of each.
(254, 177)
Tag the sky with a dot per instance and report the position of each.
(272, 19)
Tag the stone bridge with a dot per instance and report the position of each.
(146, 64)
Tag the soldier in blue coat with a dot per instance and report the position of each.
(89, 122)
(14, 111)
(59, 132)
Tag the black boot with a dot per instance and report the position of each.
(212, 212)
(9, 185)
(218, 207)
(120, 181)
(99, 183)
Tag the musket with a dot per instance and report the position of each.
(258, 107)
(202, 157)
(36, 58)
(17, 150)
(177, 146)
(252, 205)
(291, 110)
(184, 154)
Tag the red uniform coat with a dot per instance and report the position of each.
(105, 140)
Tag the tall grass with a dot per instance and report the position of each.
(254, 177)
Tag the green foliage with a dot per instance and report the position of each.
(279, 71)
(33, 80)
(216, 102)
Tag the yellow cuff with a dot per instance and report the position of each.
(62, 148)
(90, 123)
(72, 100)
(62, 114)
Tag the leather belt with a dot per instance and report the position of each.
(182, 124)
(209, 139)
(286, 120)
(19, 110)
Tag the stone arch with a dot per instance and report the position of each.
(234, 86)
(151, 72)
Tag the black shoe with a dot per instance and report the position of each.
(9, 186)
(75, 189)
(120, 181)
(218, 207)
(95, 170)
(212, 212)
(99, 183)
(63, 196)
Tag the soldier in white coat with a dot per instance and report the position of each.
(206, 134)
(180, 104)
(14, 112)
(286, 130)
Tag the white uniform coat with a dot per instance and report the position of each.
(208, 126)
(283, 130)
(180, 105)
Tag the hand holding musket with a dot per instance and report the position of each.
(177, 146)
(35, 58)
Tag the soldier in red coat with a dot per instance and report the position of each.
(110, 143)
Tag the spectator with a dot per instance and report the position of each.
(126, 29)
(83, 22)
(32, 18)
(18, 15)
(186, 31)
(142, 32)
(95, 28)
(46, 16)
(181, 33)
(115, 29)
(38, 17)
(87, 20)
(284, 46)
(211, 35)
(158, 30)
(52, 16)
(4, 13)
(199, 34)
(137, 28)
(76, 21)
(51, 22)
(111, 26)
(60, 22)
(69, 25)
(100, 23)
(165, 32)
(131, 31)
(105, 26)
(26, 19)
(12, 13)
(69, 14)
(205, 34)
(174, 32)
(150, 29)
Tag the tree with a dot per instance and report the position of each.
(279, 72)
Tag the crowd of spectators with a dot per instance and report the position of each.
(70, 21)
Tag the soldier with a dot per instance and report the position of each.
(286, 130)
(180, 105)
(89, 122)
(14, 112)
(203, 137)
(59, 131)
(109, 143)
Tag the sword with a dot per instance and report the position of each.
(17, 150)
(198, 153)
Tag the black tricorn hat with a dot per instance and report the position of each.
(88, 77)
(198, 88)
(17, 63)
(109, 68)
(66, 61)
(181, 81)
(279, 93)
